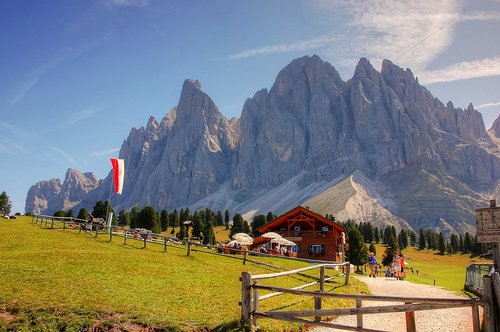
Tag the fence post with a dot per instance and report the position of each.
(476, 327)
(244, 257)
(410, 320)
(347, 271)
(255, 307)
(489, 322)
(246, 298)
(125, 237)
(64, 225)
(359, 317)
(144, 236)
(322, 279)
(189, 248)
(110, 233)
(317, 306)
(96, 231)
(164, 244)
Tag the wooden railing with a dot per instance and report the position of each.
(250, 299)
(474, 277)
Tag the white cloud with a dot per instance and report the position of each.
(411, 34)
(79, 116)
(59, 57)
(105, 152)
(64, 155)
(283, 48)
(14, 149)
(462, 71)
(487, 105)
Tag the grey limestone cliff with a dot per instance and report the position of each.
(431, 164)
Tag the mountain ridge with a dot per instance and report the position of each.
(307, 134)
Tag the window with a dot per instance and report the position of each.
(317, 249)
(296, 229)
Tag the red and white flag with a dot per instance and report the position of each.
(118, 173)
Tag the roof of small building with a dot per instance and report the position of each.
(295, 211)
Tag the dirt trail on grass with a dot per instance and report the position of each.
(442, 320)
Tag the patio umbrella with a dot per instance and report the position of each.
(243, 238)
(283, 242)
(231, 243)
(271, 235)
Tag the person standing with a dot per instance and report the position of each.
(372, 261)
(396, 264)
(402, 265)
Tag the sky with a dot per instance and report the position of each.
(77, 76)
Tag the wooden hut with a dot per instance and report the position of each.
(316, 237)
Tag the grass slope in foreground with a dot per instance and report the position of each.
(64, 280)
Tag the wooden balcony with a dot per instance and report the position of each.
(308, 234)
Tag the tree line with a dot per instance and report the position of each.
(198, 224)
(359, 235)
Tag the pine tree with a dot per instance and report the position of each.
(270, 216)
(376, 234)
(59, 213)
(453, 243)
(227, 219)
(257, 222)
(372, 249)
(164, 220)
(358, 253)
(175, 218)
(421, 240)
(83, 214)
(238, 225)
(219, 220)
(134, 214)
(392, 247)
(5, 204)
(467, 243)
(124, 218)
(441, 244)
(404, 238)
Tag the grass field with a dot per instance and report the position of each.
(442, 270)
(54, 280)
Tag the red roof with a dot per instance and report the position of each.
(299, 209)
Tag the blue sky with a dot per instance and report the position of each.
(76, 76)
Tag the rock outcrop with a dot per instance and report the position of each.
(53, 195)
(379, 137)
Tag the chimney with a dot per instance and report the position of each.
(493, 203)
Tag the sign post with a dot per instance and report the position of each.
(488, 231)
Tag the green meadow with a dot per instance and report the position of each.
(444, 271)
(55, 280)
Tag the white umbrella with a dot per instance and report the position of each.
(271, 235)
(231, 243)
(243, 238)
(283, 242)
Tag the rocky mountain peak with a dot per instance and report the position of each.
(496, 127)
(393, 150)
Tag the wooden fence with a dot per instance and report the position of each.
(250, 299)
(474, 277)
(147, 237)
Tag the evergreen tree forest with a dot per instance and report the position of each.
(199, 224)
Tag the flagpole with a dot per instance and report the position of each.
(108, 222)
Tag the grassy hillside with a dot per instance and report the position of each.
(443, 270)
(64, 280)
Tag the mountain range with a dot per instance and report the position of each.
(378, 147)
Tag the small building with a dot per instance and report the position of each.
(316, 237)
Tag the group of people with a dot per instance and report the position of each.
(397, 266)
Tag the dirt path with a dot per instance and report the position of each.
(442, 320)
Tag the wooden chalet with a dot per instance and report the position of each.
(316, 237)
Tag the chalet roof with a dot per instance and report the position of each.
(294, 212)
